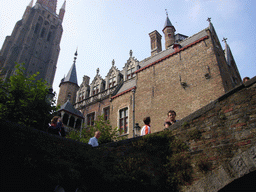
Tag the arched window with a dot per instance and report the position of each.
(69, 96)
(78, 123)
(65, 119)
(71, 121)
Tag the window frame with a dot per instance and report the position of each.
(90, 119)
(123, 120)
(106, 113)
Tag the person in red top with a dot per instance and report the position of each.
(146, 128)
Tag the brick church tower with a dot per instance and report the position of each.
(35, 41)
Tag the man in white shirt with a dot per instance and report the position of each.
(94, 140)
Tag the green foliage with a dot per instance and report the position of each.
(108, 134)
(23, 100)
(156, 162)
(185, 124)
(194, 134)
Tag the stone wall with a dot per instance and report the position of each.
(220, 136)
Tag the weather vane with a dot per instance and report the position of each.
(209, 19)
(225, 39)
(166, 12)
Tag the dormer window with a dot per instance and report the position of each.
(112, 82)
(96, 89)
(130, 73)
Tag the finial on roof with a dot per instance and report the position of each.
(64, 5)
(209, 19)
(166, 12)
(75, 56)
(130, 53)
(98, 70)
(224, 39)
(113, 62)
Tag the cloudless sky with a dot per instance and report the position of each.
(104, 30)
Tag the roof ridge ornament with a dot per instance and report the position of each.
(131, 53)
(209, 19)
(113, 62)
(166, 12)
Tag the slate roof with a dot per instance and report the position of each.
(127, 85)
(70, 108)
(71, 76)
(167, 23)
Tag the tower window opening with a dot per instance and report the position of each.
(42, 33)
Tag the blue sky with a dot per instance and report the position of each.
(104, 30)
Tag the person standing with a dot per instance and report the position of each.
(146, 128)
(94, 140)
(170, 120)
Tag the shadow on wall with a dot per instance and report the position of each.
(245, 183)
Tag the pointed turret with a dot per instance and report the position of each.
(30, 5)
(62, 11)
(68, 85)
(236, 78)
(71, 76)
(169, 32)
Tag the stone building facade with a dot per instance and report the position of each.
(189, 74)
(35, 40)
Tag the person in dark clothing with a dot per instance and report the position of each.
(56, 127)
(170, 120)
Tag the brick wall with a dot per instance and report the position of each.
(65, 89)
(159, 89)
(96, 108)
(36, 161)
(118, 103)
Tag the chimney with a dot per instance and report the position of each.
(155, 41)
(86, 79)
